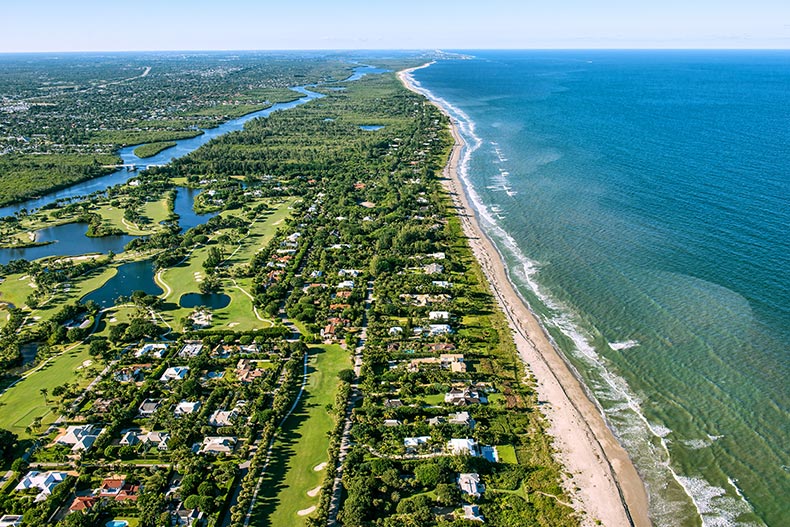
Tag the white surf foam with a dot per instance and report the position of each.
(624, 345)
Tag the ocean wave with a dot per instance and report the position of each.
(624, 345)
(712, 503)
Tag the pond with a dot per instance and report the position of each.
(210, 300)
(131, 277)
(371, 127)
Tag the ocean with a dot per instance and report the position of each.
(641, 202)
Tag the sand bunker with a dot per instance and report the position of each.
(314, 492)
(320, 467)
(305, 512)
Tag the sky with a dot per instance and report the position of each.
(122, 25)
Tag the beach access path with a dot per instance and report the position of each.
(609, 487)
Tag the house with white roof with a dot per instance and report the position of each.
(470, 484)
(186, 408)
(460, 447)
(10, 520)
(439, 329)
(439, 315)
(160, 439)
(80, 437)
(155, 350)
(218, 445)
(472, 512)
(414, 442)
(175, 373)
(43, 481)
(223, 418)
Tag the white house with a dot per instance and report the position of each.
(461, 418)
(472, 512)
(439, 315)
(218, 445)
(10, 520)
(80, 437)
(148, 407)
(439, 329)
(414, 442)
(191, 349)
(460, 447)
(156, 350)
(346, 284)
(160, 439)
(223, 417)
(395, 330)
(470, 484)
(186, 408)
(43, 481)
(176, 373)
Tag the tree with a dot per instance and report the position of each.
(7, 443)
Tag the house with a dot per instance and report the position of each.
(187, 517)
(102, 406)
(349, 272)
(186, 408)
(129, 438)
(10, 520)
(43, 481)
(118, 489)
(148, 407)
(218, 445)
(439, 315)
(395, 330)
(415, 442)
(393, 403)
(175, 373)
(155, 350)
(392, 422)
(439, 329)
(444, 284)
(160, 439)
(245, 372)
(460, 447)
(433, 268)
(472, 512)
(470, 484)
(346, 284)
(80, 437)
(462, 396)
(82, 503)
(191, 348)
(438, 347)
(129, 374)
(461, 418)
(223, 418)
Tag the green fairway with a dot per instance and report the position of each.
(15, 289)
(153, 211)
(23, 402)
(302, 445)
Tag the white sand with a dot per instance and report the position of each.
(305, 512)
(320, 467)
(314, 492)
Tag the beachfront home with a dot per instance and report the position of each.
(472, 512)
(462, 447)
(43, 481)
(470, 484)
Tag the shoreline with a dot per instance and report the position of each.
(609, 487)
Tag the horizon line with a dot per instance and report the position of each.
(422, 50)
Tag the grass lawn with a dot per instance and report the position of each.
(302, 444)
(23, 402)
(15, 289)
(78, 288)
(507, 454)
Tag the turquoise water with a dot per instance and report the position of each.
(641, 201)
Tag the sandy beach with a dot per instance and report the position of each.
(609, 487)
